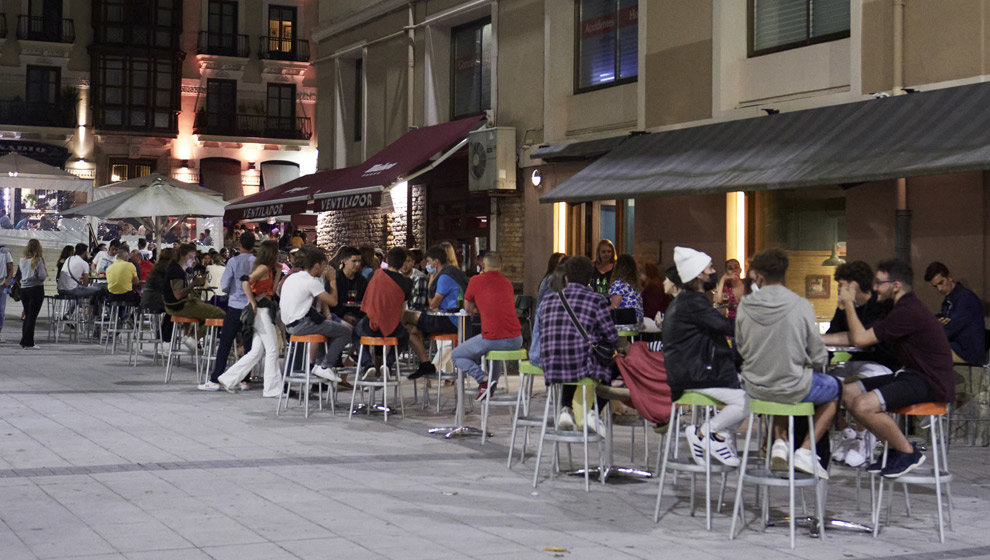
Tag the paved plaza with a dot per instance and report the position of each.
(99, 460)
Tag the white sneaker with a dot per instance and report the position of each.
(209, 386)
(806, 461)
(370, 374)
(325, 373)
(566, 419)
(595, 423)
(723, 450)
(845, 442)
(695, 444)
(778, 455)
(861, 450)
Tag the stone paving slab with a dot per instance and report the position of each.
(102, 460)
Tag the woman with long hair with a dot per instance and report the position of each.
(730, 288)
(67, 252)
(553, 281)
(33, 275)
(624, 292)
(655, 301)
(601, 275)
(259, 287)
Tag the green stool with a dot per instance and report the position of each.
(765, 477)
(558, 436)
(491, 357)
(691, 399)
(527, 373)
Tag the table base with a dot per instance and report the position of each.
(375, 409)
(457, 431)
(616, 473)
(812, 524)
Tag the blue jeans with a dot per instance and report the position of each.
(824, 389)
(467, 356)
(534, 344)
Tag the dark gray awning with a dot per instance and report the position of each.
(577, 150)
(942, 131)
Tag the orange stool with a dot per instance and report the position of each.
(303, 343)
(210, 342)
(382, 380)
(936, 476)
(179, 326)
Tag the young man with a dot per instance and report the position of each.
(417, 300)
(350, 286)
(961, 315)
(783, 355)
(443, 295)
(490, 295)
(74, 279)
(919, 343)
(299, 291)
(122, 278)
(230, 283)
(383, 304)
(699, 358)
(179, 287)
(104, 257)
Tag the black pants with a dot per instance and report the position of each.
(32, 299)
(228, 334)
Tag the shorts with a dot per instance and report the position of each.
(435, 324)
(899, 389)
(824, 389)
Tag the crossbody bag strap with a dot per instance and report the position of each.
(570, 312)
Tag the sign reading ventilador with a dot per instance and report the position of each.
(262, 211)
(350, 201)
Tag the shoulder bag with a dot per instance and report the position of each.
(603, 352)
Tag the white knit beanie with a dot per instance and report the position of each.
(690, 263)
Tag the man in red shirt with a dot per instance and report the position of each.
(490, 295)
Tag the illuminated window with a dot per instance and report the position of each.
(607, 43)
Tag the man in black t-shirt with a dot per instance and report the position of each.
(351, 285)
(879, 360)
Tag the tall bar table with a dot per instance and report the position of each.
(458, 429)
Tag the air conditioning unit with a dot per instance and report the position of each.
(492, 159)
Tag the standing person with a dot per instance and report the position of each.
(33, 275)
(919, 344)
(6, 278)
(730, 288)
(624, 294)
(237, 268)
(299, 292)
(489, 295)
(565, 354)
(259, 289)
(784, 356)
(601, 278)
(699, 358)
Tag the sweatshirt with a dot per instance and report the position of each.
(780, 344)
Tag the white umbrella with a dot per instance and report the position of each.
(143, 181)
(157, 199)
(22, 172)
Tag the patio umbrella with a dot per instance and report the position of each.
(21, 172)
(153, 200)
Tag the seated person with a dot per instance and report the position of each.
(625, 298)
(783, 356)
(442, 295)
(961, 316)
(74, 279)
(122, 278)
(383, 304)
(919, 343)
(699, 358)
(180, 295)
(350, 286)
(490, 295)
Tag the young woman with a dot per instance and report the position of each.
(259, 287)
(67, 252)
(624, 292)
(601, 275)
(655, 301)
(33, 275)
(730, 288)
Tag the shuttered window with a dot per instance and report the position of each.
(777, 25)
(607, 43)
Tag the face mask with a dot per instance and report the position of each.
(431, 269)
(711, 282)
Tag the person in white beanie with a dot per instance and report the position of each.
(699, 358)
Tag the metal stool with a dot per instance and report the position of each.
(766, 478)
(304, 377)
(491, 357)
(382, 381)
(692, 400)
(936, 476)
(179, 325)
(558, 436)
(210, 342)
(116, 325)
(441, 374)
(148, 327)
(527, 373)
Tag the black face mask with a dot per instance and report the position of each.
(710, 284)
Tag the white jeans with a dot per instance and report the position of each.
(264, 343)
(732, 415)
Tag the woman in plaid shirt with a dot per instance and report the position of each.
(565, 354)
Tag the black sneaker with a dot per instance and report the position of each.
(425, 368)
(903, 463)
(876, 467)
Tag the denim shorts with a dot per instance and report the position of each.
(824, 389)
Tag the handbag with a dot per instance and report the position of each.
(15, 286)
(603, 352)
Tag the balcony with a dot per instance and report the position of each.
(29, 113)
(223, 44)
(255, 126)
(281, 48)
(50, 30)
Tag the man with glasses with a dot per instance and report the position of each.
(920, 346)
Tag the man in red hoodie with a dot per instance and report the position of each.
(384, 301)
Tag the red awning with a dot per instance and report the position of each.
(359, 186)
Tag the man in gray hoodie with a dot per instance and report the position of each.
(783, 355)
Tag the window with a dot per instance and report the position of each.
(43, 85)
(44, 21)
(135, 92)
(281, 27)
(471, 69)
(607, 43)
(777, 25)
(124, 169)
(281, 110)
(222, 28)
(138, 22)
(221, 106)
(358, 99)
